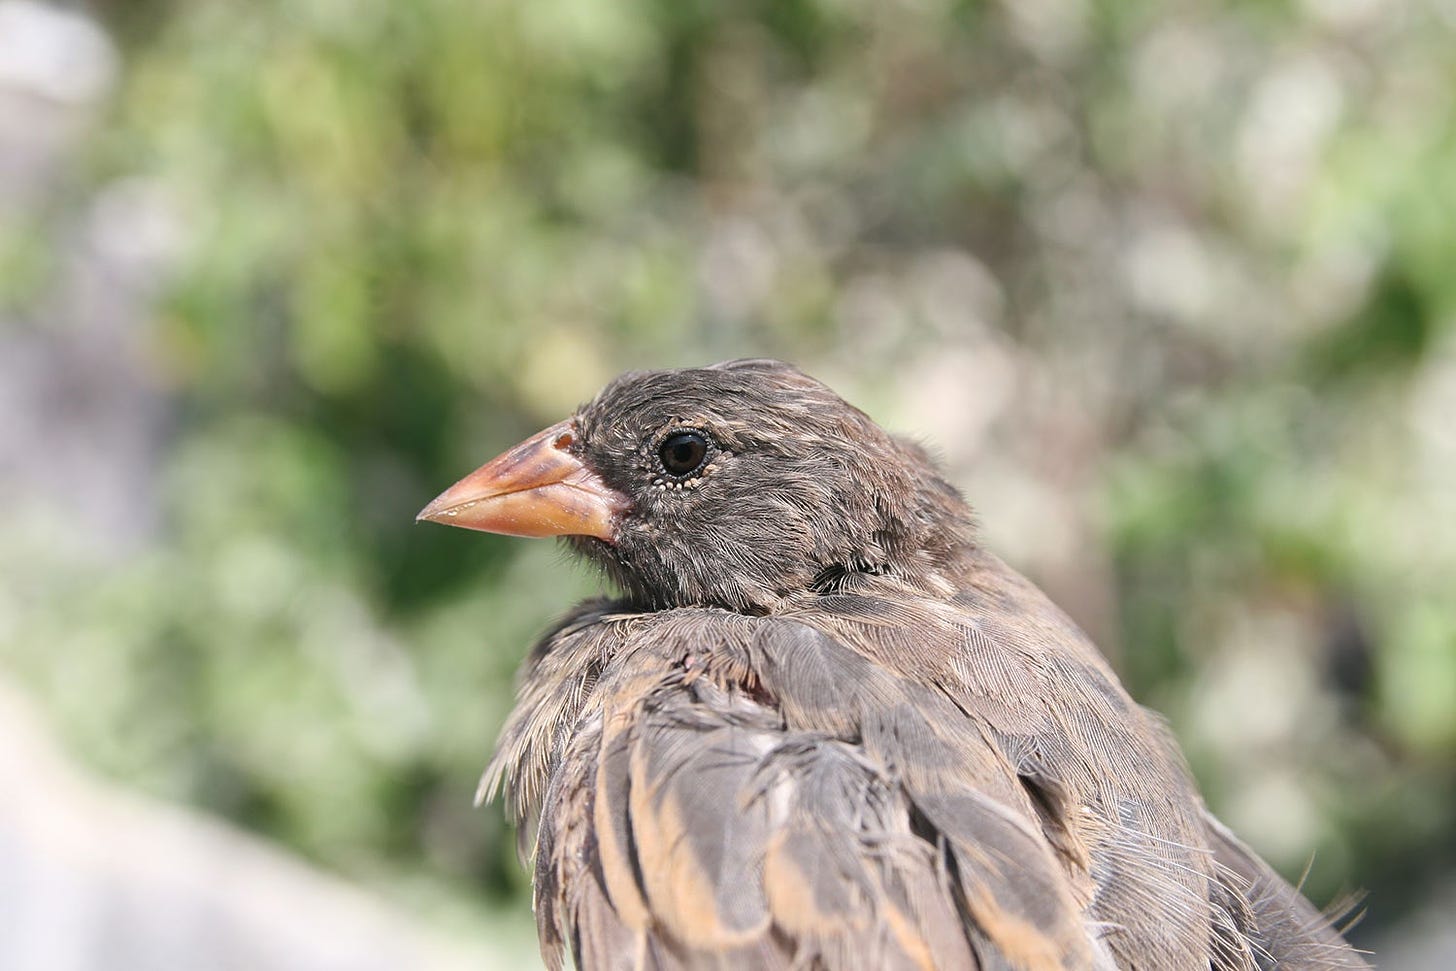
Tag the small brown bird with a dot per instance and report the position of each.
(823, 727)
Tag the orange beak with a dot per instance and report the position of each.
(537, 488)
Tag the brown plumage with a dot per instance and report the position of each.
(823, 728)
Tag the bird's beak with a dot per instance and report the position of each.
(537, 488)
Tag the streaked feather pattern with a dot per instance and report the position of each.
(717, 790)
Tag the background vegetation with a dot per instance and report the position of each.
(1169, 286)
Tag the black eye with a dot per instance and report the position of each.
(683, 453)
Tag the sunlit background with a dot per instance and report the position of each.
(1170, 287)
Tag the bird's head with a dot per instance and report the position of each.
(744, 485)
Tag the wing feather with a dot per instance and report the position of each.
(879, 783)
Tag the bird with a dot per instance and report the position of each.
(821, 725)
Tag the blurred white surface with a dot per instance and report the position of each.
(56, 65)
(94, 878)
(53, 53)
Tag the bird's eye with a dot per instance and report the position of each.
(683, 453)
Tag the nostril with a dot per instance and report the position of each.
(564, 440)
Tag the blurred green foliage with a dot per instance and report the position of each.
(1207, 249)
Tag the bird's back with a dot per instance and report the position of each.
(877, 776)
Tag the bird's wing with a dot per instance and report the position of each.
(1282, 929)
(1099, 776)
(874, 783)
(1106, 782)
(748, 792)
